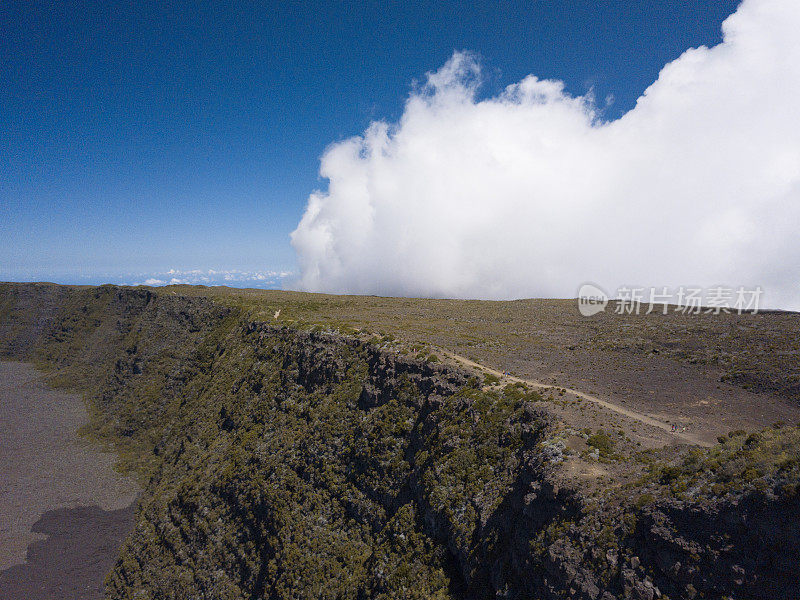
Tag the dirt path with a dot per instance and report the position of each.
(642, 418)
(63, 508)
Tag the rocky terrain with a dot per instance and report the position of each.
(282, 460)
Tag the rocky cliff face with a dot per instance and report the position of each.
(287, 464)
(745, 547)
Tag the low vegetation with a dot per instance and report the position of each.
(287, 460)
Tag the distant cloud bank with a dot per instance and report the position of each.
(231, 277)
(266, 279)
(532, 193)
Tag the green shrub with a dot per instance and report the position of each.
(602, 442)
(670, 474)
(490, 379)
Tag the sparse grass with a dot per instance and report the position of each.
(757, 352)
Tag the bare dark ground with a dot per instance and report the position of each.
(80, 548)
(60, 498)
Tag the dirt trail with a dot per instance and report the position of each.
(642, 418)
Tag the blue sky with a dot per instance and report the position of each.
(145, 137)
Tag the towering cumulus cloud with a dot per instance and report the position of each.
(531, 193)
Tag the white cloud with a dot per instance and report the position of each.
(230, 277)
(530, 193)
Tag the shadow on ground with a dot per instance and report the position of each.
(81, 547)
